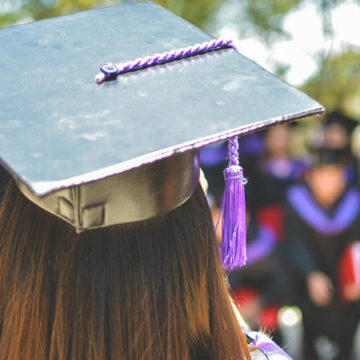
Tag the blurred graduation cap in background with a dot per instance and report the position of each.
(342, 120)
(124, 150)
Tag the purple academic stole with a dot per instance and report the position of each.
(264, 344)
(344, 215)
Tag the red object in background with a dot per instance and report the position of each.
(267, 317)
(244, 295)
(349, 272)
(272, 216)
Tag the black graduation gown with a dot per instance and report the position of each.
(315, 240)
(263, 271)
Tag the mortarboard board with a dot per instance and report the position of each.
(124, 150)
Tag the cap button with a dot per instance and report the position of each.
(109, 69)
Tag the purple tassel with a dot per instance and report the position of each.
(233, 212)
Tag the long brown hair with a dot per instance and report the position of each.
(147, 290)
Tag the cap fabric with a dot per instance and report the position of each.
(61, 132)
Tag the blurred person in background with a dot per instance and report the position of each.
(277, 170)
(338, 129)
(260, 286)
(322, 220)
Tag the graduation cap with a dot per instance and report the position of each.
(125, 150)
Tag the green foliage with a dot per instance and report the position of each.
(337, 86)
(39, 9)
(42, 9)
(11, 19)
(267, 15)
(198, 12)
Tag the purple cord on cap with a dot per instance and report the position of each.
(110, 70)
(233, 212)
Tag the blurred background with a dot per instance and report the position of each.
(314, 46)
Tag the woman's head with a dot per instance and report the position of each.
(145, 290)
(327, 182)
(327, 178)
(277, 140)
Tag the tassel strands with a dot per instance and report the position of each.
(233, 212)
